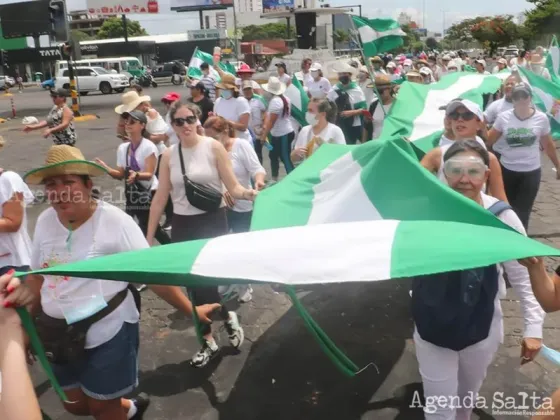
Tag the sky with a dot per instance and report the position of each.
(437, 12)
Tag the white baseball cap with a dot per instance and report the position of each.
(470, 105)
(316, 67)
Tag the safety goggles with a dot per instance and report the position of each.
(465, 116)
(179, 122)
(469, 166)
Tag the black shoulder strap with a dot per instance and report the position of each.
(181, 159)
(373, 106)
(498, 208)
(127, 154)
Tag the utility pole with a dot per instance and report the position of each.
(125, 28)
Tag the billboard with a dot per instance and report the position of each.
(277, 5)
(116, 7)
(187, 5)
(25, 19)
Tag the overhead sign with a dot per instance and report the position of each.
(277, 5)
(108, 7)
(49, 52)
(187, 5)
(206, 34)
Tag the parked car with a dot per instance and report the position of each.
(91, 79)
(6, 82)
(48, 84)
(172, 72)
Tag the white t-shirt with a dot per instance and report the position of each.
(109, 231)
(306, 77)
(513, 62)
(285, 78)
(145, 149)
(319, 89)
(245, 166)
(495, 109)
(378, 118)
(520, 139)
(232, 109)
(283, 124)
(330, 134)
(257, 108)
(157, 126)
(368, 92)
(15, 247)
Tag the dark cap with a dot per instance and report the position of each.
(136, 115)
(281, 64)
(198, 85)
(204, 66)
(63, 93)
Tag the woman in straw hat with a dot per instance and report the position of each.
(234, 108)
(15, 243)
(130, 101)
(278, 124)
(78, 227)
(59, 122)
(380, 107)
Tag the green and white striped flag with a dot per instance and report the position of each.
(347, 214)
(553, 60)
(298, 99)
(546, 96)
(378, 35)
(200, 57)
(416, 112)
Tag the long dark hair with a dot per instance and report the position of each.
(286, 109)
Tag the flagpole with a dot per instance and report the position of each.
(367, 63)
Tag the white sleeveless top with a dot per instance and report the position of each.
(157, 126)
(200, 167)
(445, 144)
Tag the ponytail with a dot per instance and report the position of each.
(286, 105)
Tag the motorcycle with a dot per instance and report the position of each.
(147, 80)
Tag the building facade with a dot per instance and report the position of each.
(82, 20)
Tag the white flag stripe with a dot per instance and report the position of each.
(431, 115)
(269, 255)
(368, 34)
(555, 57)
(340, 195)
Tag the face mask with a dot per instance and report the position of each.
(226, 94)
(314, 74)
(311, 119)
(344, 79)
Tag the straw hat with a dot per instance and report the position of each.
(342, 67)
(130, 100)
(228, 82)
(274, 86)
(63, 160)
(381, 81)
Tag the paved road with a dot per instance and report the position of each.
(281, 374)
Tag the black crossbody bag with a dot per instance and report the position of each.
(202, 197)
(137, 195)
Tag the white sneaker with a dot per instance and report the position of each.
(235, 332)
(245, 293)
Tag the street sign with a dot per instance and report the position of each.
(206, 34)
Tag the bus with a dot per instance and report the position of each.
(129, 66)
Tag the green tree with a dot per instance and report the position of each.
(461, 31)
(267, 31)
(410, 38)
(417, 46)
(543, 19)
(340, 36)
(432, 44)
(113, 28)
(80, 35)
(497, 31)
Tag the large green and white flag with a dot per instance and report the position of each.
(378, 35)
(200, 57)
(416, 113)
(298, 99)
(546, 96)
(553, 60)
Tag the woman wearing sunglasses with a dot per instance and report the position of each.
(515, 137)
(198, 163)
(463, 121)
(458, 316)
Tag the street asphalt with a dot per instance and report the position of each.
(280, 372)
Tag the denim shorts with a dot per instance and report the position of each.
(108, 371)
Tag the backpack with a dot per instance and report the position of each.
(454, 310)
(343, 103)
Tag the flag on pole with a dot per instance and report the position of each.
(200, 57)
(546, 96)
(416, 113)
(553, 60)
(378, 35)
(298, 99)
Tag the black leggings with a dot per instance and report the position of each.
(352, 134)
(202, 226)
(258, 149)
(521, 190)
(143, 215)
(281, 149)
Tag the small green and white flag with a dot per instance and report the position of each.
(553, 60)
(546, 96)
(200, 57)
(378, 35)
(416, 113)
(298, 99)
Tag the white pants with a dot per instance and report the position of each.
(455, 375)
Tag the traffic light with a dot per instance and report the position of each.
(4, 59)
(59, 23)
(66, 50)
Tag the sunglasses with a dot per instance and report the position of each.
(465, 116)
(520, 96)
(455, 170)
(179, 122)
